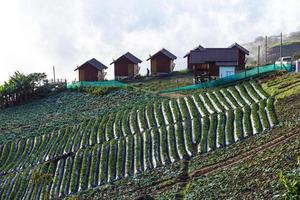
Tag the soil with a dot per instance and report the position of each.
(174, 95)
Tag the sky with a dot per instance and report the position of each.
(36, 35)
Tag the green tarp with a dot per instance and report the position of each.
(96, 84)
(253, 72)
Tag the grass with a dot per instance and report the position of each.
(178, 79)
(283, 86)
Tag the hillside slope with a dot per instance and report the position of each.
(246, 170)
(291, 45)
(66, 108)
(224, 143)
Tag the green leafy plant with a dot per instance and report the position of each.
(291, 183)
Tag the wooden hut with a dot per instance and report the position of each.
(162, 62)
(126, 66)
(92, 70)
(212, 63)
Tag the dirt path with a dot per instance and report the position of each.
(220, 165)
(174, 95)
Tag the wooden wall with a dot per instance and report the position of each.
(88, 73)
(162, 63)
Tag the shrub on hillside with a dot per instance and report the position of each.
(97, 90)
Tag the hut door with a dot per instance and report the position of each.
(81, 75)
(153, 67)
(130, 70)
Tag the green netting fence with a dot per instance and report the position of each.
(253, 72)
(111, 83)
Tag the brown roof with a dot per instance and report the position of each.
(166, 53)
(239, 47)
(94, 63)
(214, 55)
(196, 48)
(130, 57)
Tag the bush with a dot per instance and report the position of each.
(147, 151)
(256, 119)
(238, 116)
(121, 159)
(204, 111)
(158, 114)
(86, 134)
(222, 100)
(244, 94)
(66, 177)
(216, 102)
(164, 146)
(252, 91)
(77, 139)
(196, 131)
(112, 160)
(103, 163)
(93, 167)
(296, 55)
(208, 103)
(142, 119)
(117, 125)
(237, 96)
(125, 123)
(229, 96)
(291, 183)
(247, 121)
(133, 121)
(138, 151)
(129, 155)
(95, 90)
(180, 141)
(220, 130)
(172, 143)
(212, 131)
(192, 106)
(229, 127)
(175, 111)
(150, 115)
(258, 88)
(68, 146)
(109, 127)
(262, 114)
(183, 109)
(271, 111)
(204, 135)
(155, 148)
(84, 171)
(75, 172)
(188, 140)
(167, 111)
(22, 186)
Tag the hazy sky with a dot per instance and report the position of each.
(37, 34)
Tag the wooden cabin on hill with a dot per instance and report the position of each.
(162, 62)
(92, 70)
(212, 63)
(189, 65)
(126, 66)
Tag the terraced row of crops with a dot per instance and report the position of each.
(65, 108)
(127, 143)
